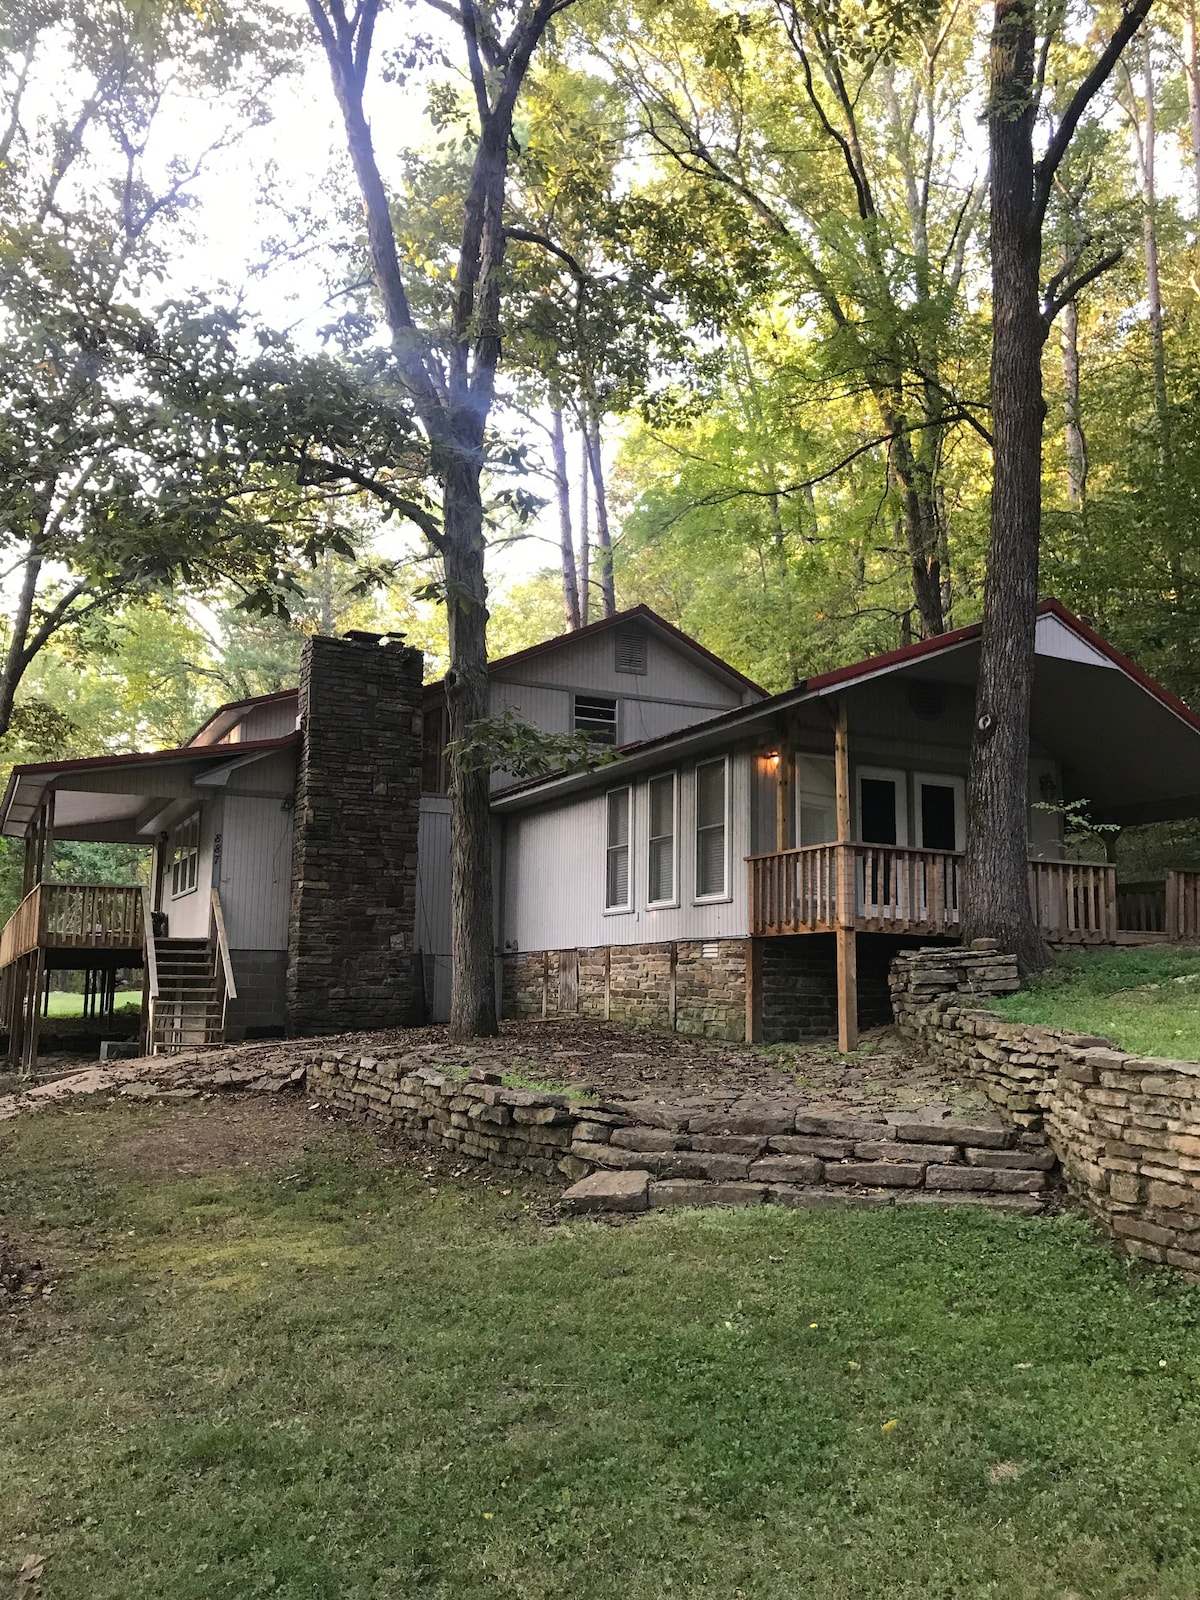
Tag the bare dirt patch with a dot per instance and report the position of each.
(598, 1058)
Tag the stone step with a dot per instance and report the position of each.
(637, 1189)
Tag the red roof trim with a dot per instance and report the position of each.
(1055, 608)
(136, 758)
(638, 613)
(957, 636)
(239, 705)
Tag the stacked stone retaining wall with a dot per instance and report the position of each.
(751, 1151)
(1125, 1128)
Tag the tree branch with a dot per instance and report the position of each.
(1052, 307)
(1129, 24)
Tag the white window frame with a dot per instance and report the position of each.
(673, 900)
(942, 780)
(619, 910)
(899, 777)
(725, 892)
(185, 855)
(602, 744)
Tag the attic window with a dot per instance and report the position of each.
(596, 716)
(631, 650)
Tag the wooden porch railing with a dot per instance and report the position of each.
(85, 916)
(902, 890)
(896, 890)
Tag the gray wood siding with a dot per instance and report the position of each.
(255, 881)
(554, 873)
(271, 721)
(590, 664)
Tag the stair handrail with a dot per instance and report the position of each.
(150, 981)
(148, 945)
(218, 925)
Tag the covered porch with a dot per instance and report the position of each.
(154, 802)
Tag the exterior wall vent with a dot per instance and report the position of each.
(710, 951)
(927, 700)
(631, 650)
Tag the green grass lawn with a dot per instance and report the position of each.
(311, 1376)
(71, 1005)
(1145, 999)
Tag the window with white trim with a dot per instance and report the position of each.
(711, 864)
(660, 881)
(617, 882)
(596, 716)
(185, 856)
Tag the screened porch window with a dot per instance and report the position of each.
(185, 856)
(660, 888)
(710, 830)
(616, 857)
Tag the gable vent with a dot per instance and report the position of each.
(631, 650)
(927, 700)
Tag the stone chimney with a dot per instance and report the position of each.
(351, 957)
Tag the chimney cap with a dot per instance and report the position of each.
(363, 636)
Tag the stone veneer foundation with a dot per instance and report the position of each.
(699, 986)
(351, 961)
(1125, 1128)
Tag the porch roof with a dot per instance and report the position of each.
(121, 799)
(1132, 747)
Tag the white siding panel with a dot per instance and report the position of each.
(554, 874)
(255, 873)
(188, 916)
(1054, 638)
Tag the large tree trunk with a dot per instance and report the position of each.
(995, 893)
(562, 489)
(604, 562)
(1149, 140)
(15, 657)
(1191, 69)
(585, 530)
(1074, 439)
(472, 936)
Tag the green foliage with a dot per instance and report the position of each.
(508, 744)
(274, 1362)
(1145, 999)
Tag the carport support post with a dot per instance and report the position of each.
(847, 950)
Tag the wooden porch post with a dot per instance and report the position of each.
(785, 792)
(847, 950)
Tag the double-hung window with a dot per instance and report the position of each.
(618, 884)
(712, 870)
(660, 885)
(185, 856)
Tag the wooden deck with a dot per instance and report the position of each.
(74, 916)
(894, 889)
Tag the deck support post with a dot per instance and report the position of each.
(847, 948)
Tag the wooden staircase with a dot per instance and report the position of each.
(189, 983)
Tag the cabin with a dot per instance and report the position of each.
(746, 867)
(299, 841)
(753, 875)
